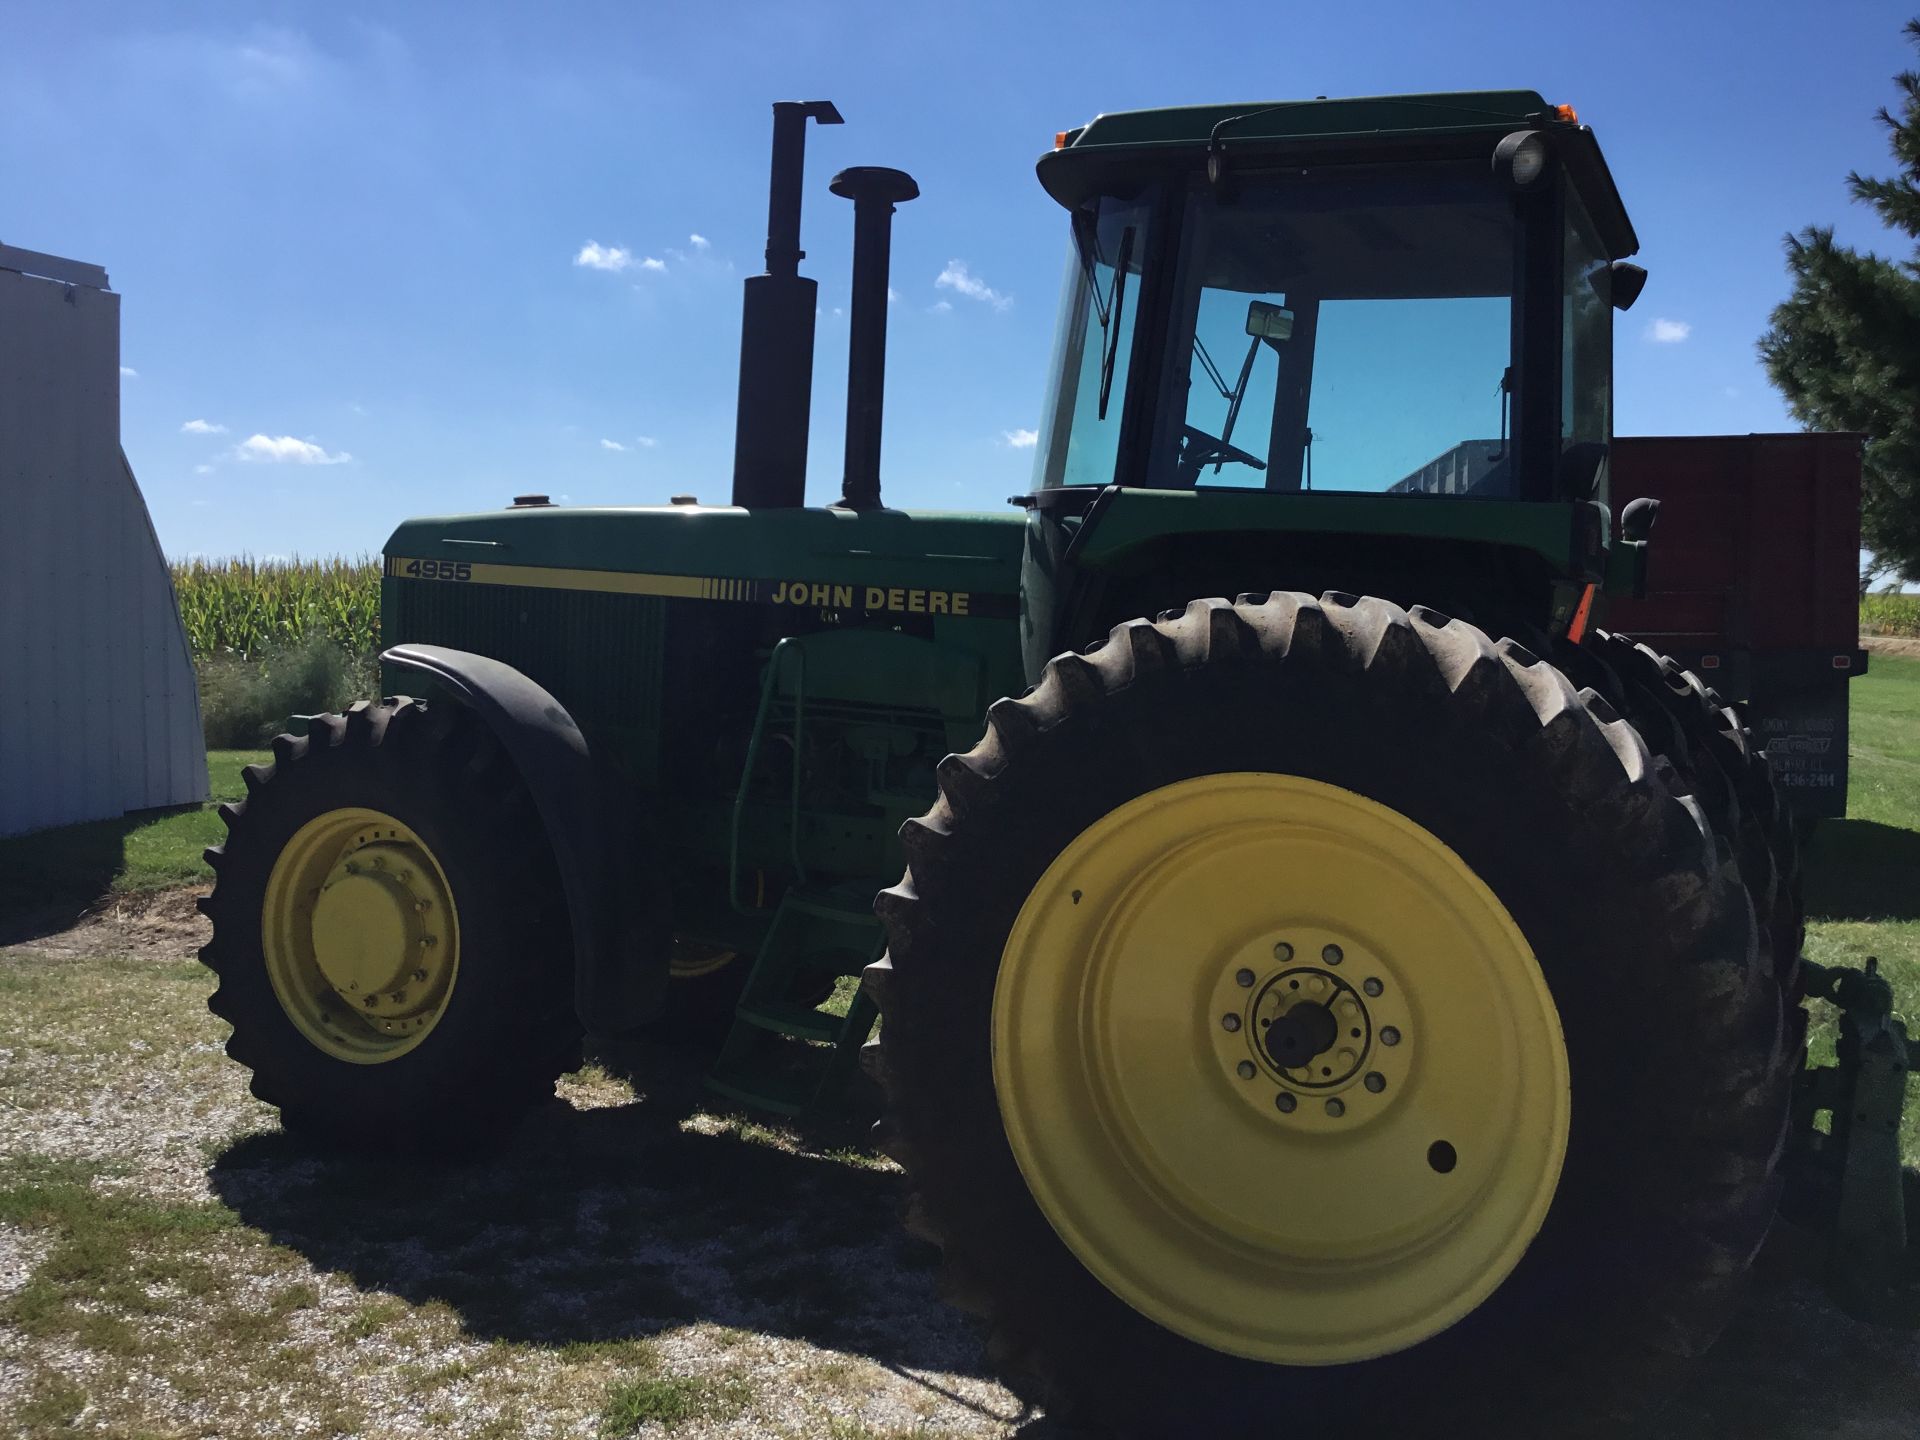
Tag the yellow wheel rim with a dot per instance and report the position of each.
(1280, 1069)
(692, 959)
(360, 934)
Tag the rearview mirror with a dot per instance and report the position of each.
(1272, 323)
(1628, 282)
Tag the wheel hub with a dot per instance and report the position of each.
(375, 933)
(360, 935)
(1320, 1046)
(1300, 1035)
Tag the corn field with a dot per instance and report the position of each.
(248, 607)
(1890, 615)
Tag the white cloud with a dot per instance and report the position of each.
(611, 445)
(202, 427)
(940, 307)
(203, 470)
(1668, 332)
(1022, 439)
(893, 295)
(127, 372)
(645, 442)
(594, 256)
(652, 264)
(957, 277)
(286, 450)
(275, 60)
(699, 242)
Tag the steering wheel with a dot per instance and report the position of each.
(1203, 450)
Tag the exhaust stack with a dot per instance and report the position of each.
(776, 332)
(874, 191)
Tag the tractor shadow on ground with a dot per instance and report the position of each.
(616, 1223)
(1862, 870)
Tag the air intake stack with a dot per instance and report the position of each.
(776, 332)
(874, 191)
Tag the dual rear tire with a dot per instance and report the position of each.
(1563, 1167)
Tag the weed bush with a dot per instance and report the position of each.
(245, 701)
(1890, 615)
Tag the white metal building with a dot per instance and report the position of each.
(99, 712)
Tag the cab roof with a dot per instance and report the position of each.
(1493, 111)
(1109, 150)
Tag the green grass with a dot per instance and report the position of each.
(1884, 783)
(1863, 872)
(670, 1401)
(78, 864)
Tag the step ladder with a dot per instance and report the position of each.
(784, 1054)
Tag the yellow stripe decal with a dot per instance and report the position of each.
(540, 577)
(826, 597)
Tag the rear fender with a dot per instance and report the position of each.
(621, 949)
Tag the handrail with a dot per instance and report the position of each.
(769, 687)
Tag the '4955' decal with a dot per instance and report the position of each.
(438, 569)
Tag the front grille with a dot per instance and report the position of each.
(599, 654)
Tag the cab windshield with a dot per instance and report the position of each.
(1343, 329)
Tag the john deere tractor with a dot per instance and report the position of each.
(1333, 980)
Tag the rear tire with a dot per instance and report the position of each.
(1640, 927)
(1685, 719)
(502, 1028)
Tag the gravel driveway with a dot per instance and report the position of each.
(629, 1263)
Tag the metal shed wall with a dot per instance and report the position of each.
(99, 710)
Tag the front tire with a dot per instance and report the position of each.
(1634, 936)
(389, 933)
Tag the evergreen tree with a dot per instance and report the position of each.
(1845, 346)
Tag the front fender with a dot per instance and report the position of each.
(620, 951)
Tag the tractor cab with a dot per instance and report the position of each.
(1373, 306)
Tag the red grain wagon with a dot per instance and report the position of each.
(1753, 580)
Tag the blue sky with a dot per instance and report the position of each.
(354, 231)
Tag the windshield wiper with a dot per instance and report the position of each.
(1234, 394)
(1110, 319)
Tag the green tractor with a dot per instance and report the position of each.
(1333, 979)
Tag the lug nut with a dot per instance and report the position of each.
(369, 1001)
(1285, 1102)
(420, 974)
(1283, 952)
(1390, 1035)
(1375, 1081)
(1244, 979)
(1372, 986)
(1245, 1068)
(1336, 1108)
(1333, 954)
(1230, 1023)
